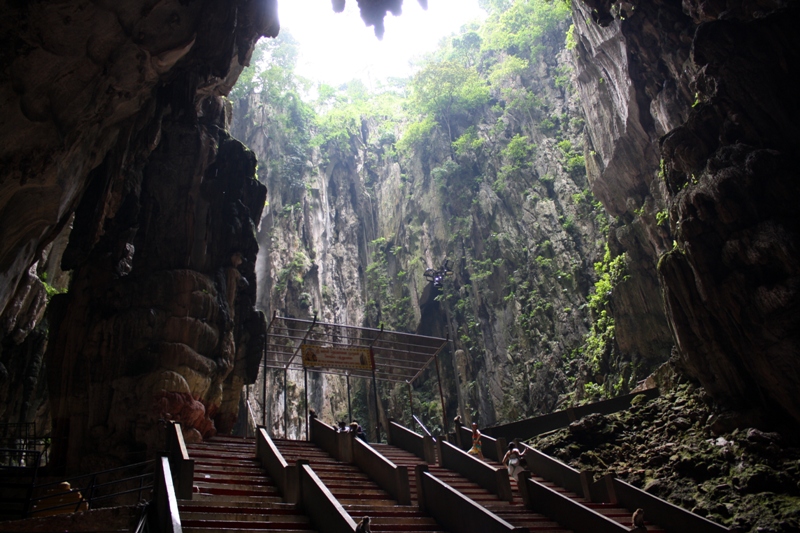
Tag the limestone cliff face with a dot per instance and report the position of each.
(690, 114)
(313, 246)
(113, 111)
(348, 236)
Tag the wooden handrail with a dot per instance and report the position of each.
(167, 517)
(495, 480)
(390, 477)
(180, 462)
(325, 511)
(564, 510)
(455, 511)
(402, 437)
(529, 428)
(286, 476)
(672, 518)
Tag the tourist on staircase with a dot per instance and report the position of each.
(513, 460)
(476, 442)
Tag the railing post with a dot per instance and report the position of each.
(502, 446)
(167, 518)
(419, 471)
(429, 450)
(181, 462)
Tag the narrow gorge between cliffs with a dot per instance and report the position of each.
(478, 160)
(611, 184)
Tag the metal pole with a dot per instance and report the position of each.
(441, 396)
(411, 403)
(377, 412)
(349, 408)
(305, 392)
(264, 383)
(285, 405)
(375, 386)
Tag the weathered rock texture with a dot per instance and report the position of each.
(690, 108)
(348, 236)
(113, 111)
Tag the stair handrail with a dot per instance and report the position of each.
(286, 476)
(321, 505)
(181, 463)
(389, 476)
(493, 448)
(495, 480)
(168, 519)
(250, 416)
(564, 510)
(410, 441)
(326, 437)
(553, 470)
(672, 518)
(455, 511)
(428, 433)
(530, 427)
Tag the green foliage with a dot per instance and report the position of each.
(416, 134)
(468, 144)
(574, 162)
(271, 92)
(662, 217)
(508, 69)
(519, 151)
(572, 41)
(49, 289)
(523, 28)
(600, 342)
(446, 91)
(389, 301)
(293, 272)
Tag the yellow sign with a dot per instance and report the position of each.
(329, 357)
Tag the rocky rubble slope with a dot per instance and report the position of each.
(680, 448)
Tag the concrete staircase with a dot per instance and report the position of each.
(514, 512)
(357, 493)
(233, 493)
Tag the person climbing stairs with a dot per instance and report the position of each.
(512, 512)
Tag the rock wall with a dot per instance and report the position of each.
(348, 235)
(691, 116)
(113, 112)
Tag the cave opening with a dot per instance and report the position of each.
(613, 182)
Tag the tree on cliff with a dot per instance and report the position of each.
(446, 90)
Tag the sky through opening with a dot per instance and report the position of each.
(338, 47)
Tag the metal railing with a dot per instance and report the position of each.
(421, 425)
(18, 473)
(23, 437)
(90, 491)
(251, 417)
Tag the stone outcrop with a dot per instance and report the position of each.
(113, 111)
(691, 115)
(348, 235)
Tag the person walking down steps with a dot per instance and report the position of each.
(363, 526)
(476, 442)
(513, 460)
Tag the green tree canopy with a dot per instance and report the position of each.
(446, 90)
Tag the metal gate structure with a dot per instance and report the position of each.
(398, 357)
